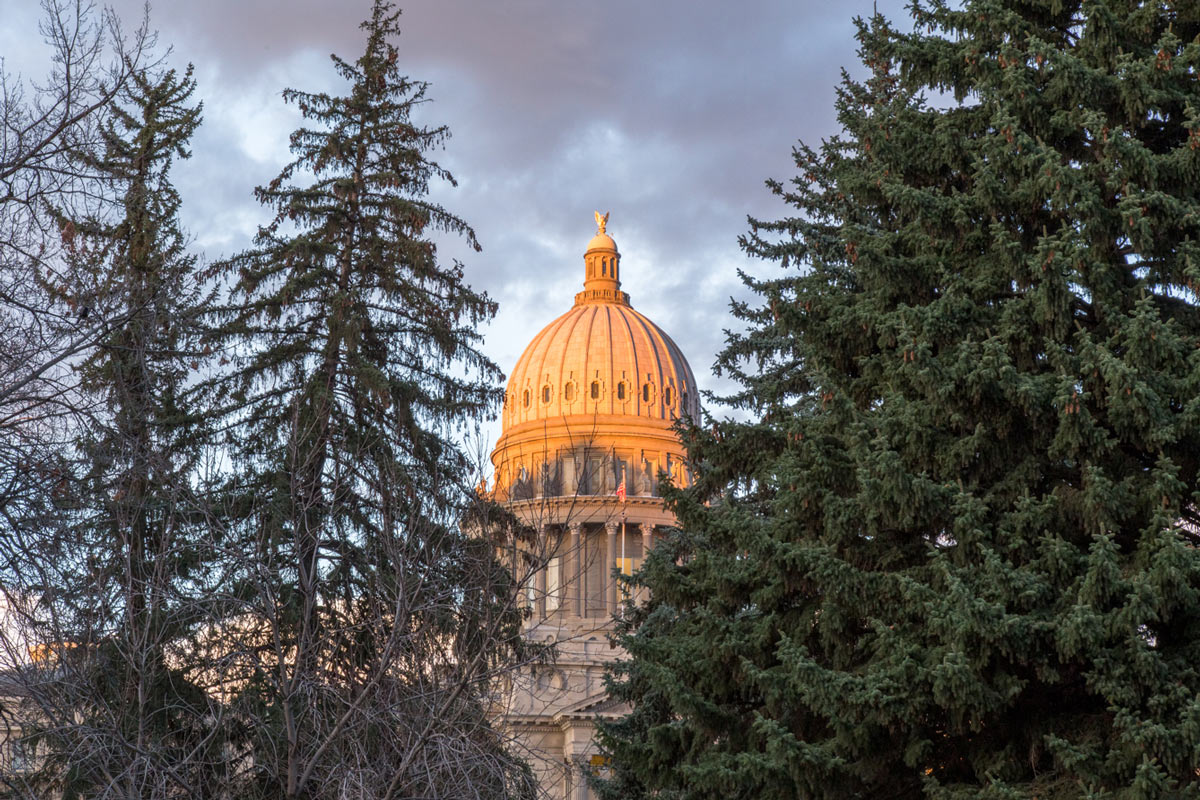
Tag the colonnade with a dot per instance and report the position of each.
(565, 580)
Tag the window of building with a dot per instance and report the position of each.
(626, 566)
(621, 390)
(553, 584)
(527, 398)
(522, 487)
(551, 479)
(569, 392)
(595, 390)
(546, 394)
(647, 392)
(594, 483)
(20, 753)
(668, 395)
(599, 766)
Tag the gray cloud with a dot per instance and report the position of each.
(669, 114)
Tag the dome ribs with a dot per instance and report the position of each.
(563, 375)
(597, 342)
(684, 379)
(591, 313)
(612, 360)
(520, 375)
(635, 383)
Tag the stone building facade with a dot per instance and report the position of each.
(587, 430)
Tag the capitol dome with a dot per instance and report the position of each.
(601, 371)
(600, 358)
(588, 434)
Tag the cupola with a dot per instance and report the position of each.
(602, 269)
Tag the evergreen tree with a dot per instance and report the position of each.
(955, 553)
(367, 625)
(116, 711)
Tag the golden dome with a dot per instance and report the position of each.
(591, 405)
(601, 357)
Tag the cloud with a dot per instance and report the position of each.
(670, 114)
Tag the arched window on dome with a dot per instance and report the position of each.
(668, 395)
(527, 398)
(595, 390)
(546, 393)
(569, 392)
(647, 392)
(621, 390)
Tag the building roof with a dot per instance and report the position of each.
(601, 357)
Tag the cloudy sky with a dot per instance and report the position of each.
(668, 114)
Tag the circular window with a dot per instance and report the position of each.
(527, 398)
(569, 392)
(546, 393)
(595, 390)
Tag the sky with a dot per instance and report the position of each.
(669, 114)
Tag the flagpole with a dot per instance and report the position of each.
(624, 490)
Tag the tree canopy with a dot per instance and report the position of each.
(954, 553)
(236, 550)
(371, 622)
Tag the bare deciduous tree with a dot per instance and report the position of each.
(110, 584)
(43, 127)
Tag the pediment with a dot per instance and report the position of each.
(596, 705)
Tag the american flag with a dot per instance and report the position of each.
(621, 491)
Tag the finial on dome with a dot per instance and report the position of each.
(601, 221)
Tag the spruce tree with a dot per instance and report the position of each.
(120, 574)
(366, 624)
(954, 555)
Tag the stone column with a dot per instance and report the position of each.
(610, 581)
(541, 561)
(647, 543)
(576, 572)
(581, 784)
